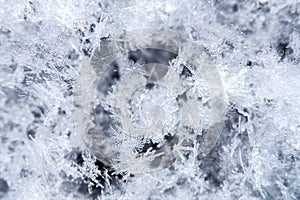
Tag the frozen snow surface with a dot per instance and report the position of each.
(254, 45)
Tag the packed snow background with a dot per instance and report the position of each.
(255, 45)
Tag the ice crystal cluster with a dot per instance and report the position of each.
(45, 49)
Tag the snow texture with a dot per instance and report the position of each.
(255, 46)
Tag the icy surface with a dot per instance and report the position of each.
(255, 45)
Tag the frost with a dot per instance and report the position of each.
(44, 47)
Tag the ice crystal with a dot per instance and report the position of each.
(45, 47)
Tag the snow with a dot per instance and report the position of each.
(46, 47)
